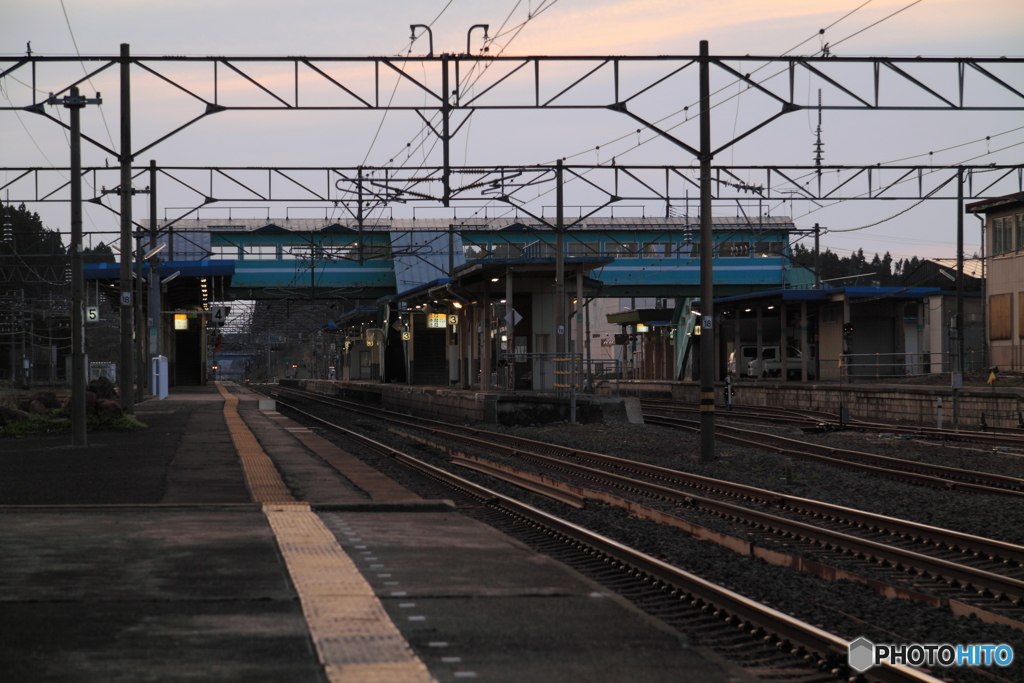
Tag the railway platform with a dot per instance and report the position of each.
(225, 543)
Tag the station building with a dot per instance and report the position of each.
(473, 303)
(396, 278)
(1004, 277)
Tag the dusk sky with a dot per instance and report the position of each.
(557, 27)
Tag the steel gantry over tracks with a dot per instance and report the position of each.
(637, 87)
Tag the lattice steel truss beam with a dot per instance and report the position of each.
(630, 85)
(595, 185)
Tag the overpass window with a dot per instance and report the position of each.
(474, 251)
(688, 249)
(622, 249)
(339, 252)
(657, 249)
(581, 248)
(224, 251)
(296, 252)
(768, 248)
(376, 252)
(733, 249)
(506, 250)
(260, 252)
(540, 249)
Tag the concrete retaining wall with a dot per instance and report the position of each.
(883, 403)
(467, 406)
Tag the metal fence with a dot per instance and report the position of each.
(881, 365)
(562, 373)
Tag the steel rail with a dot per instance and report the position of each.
(1002, 436)
(1001, 586)
(942, 538)
(732, 606)
(908, 470)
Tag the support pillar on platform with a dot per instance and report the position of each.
(760, 345)
(485, 339)
(804, 350)
(783, 342)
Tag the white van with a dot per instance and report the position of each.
(747, 353)
(771, 363)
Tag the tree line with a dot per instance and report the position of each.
(880, 271)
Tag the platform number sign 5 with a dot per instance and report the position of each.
(92, 314)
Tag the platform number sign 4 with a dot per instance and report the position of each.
(218, 314)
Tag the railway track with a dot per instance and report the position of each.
(918, 473)
(970, 574)
(806, 418)
(764, 640)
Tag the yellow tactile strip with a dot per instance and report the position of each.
(355, 639)
(265, 484)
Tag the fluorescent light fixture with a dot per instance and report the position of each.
(153, 252)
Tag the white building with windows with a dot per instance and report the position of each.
(1004, 278)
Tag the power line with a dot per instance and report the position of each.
(85, 71)
(965, 161)
(398, 80)
(886, 18)
(685, 110)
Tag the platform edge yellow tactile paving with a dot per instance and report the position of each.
(354, 638)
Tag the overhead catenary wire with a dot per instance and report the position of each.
(85, 71)
(685, 110)
(948, 166)
(466, 82)
(398, 80)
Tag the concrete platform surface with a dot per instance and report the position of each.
(144, 558)
(474, 603)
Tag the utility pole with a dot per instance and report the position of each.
(154, 276)
(958, 369)
(559, 262)
(446, 110)
(126, 369)
(74, 103)
(140, 325)
(707, 290)
(817, 256)
(359, 213)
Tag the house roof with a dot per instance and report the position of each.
(987, 205)
(826, 294)
(972, 266)
(335, 225)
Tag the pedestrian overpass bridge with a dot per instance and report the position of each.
(304, 258)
